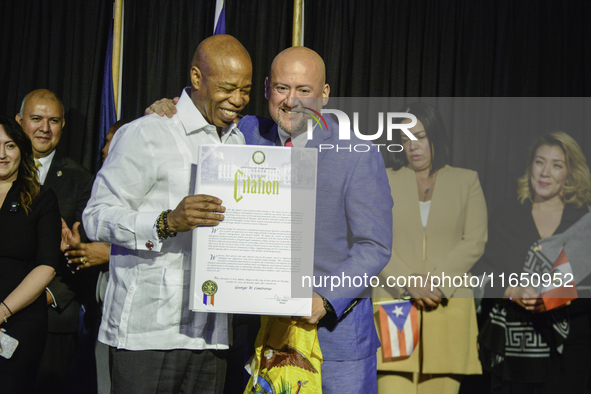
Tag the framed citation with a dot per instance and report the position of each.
(253, 262)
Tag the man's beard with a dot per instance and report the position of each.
(291, 127)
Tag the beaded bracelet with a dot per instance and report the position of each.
(162, 226)
(169, 233)
(159, 228)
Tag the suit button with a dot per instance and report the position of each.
(149, 244)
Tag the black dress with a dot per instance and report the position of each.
(511, 234)
(27, 240)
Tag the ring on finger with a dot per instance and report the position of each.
(82, 260)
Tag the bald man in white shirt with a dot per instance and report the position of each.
(141, 205)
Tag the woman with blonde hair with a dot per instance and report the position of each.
(576, 189)
(527, 348)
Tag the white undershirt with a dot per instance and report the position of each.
(425, 207)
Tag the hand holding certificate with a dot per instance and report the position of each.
(193, 211)
(249, 262)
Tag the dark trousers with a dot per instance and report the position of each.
(56, 362)
(167, 371)
(245, 329)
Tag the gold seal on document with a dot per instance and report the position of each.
(209, 287)
(258, 157)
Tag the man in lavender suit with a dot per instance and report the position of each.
(353, 234)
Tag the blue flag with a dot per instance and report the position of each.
(108, 115)
(219, 26)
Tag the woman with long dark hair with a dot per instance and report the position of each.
(30, 234)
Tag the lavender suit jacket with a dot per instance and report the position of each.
(353, 235)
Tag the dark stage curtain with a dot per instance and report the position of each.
(465, 48)
(264, 28)
(452, 48)
(161, 37)
(58, 45)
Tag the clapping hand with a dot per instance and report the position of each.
(84, 254)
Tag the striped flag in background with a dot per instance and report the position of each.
(399, 325)
(108, 116)
(562, 289)
(219, 26)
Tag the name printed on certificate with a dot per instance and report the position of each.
(249, 262)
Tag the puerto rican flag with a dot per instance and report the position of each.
(399, 325)
(562, 289)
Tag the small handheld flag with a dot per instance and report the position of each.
(399, 325)
(562, 288)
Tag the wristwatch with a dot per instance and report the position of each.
(327, 306)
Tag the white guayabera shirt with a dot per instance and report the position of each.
(147, 171)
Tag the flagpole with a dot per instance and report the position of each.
(121, 55)
(117, 24)
(297, 38)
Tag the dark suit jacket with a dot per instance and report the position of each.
(353, 232)
(72, 184)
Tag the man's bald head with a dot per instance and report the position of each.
(306, 57)
(42, 117)
(297, 76)
(42, 94)
(221, 79)
(219, 46)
